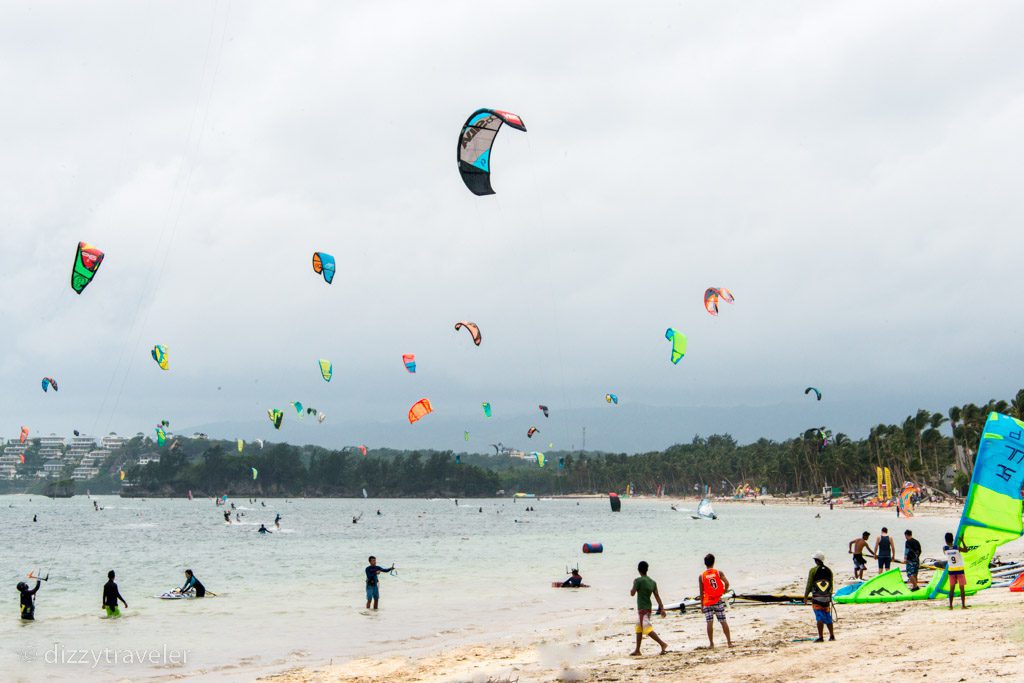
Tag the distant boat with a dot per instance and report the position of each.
(704, 510)
(364, 493)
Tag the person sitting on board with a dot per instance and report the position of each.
(192, 584)
(643, 587)
(819, 589)
(857, 546)
(955, 567)
(28, 602)
(264, 530)
(712, 585)
(574, 581)
(373, 582)
(912, 557)
(884, 550)
(110, 597)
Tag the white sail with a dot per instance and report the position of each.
(705, 510)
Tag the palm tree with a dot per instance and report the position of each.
(1017, 405)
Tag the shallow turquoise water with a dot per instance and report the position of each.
(296, 597)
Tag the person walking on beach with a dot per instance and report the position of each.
(912, 557)
(643, 588)
(884, 550)
(857, 547)
(28, 600)
(819, 590)
(372, 581)
(955, 567)
(110, 597)
(712, 585)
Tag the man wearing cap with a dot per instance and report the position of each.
(819, 589)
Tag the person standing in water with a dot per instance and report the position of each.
(712, 585)
(857, 547)
(819, 590)
(955, 567)
(373, 582)
(227, 516)
(264, 530)
(110, 597)
(884, 550)
(28, 601)
(643, 588)
(277, 521)
(193, 584)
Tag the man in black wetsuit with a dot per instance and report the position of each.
(28, 604)
(193, 584)
(264, 530)
(110, 597)
(372, 581)
(227, 516)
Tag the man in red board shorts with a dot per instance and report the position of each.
(955, 567)
(643, 587)
(712, 586)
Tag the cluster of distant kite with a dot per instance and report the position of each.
(475, 143)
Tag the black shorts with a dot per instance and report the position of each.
(884, 562)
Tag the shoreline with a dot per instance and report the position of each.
(770, 645)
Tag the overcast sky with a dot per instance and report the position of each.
(851, 171)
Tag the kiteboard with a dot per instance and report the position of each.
(178, 595)
(558, 584)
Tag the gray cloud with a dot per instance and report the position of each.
(851, 173)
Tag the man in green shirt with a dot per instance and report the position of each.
(643, 587)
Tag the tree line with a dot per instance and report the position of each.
(926, 448)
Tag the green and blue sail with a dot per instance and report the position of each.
(992, 516)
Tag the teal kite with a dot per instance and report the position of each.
(487, 409)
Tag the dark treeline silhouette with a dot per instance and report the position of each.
(929, 448)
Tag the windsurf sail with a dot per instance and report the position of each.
(705, 511)
(991, 517)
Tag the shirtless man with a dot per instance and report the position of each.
(857, 547)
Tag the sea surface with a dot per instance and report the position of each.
(476, 570)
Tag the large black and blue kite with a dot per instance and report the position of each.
(475, 141)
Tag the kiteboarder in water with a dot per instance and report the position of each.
(28, 603)
(193, 584)
(372, 581)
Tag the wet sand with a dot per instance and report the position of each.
(894, 641)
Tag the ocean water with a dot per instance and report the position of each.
(477, 570)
